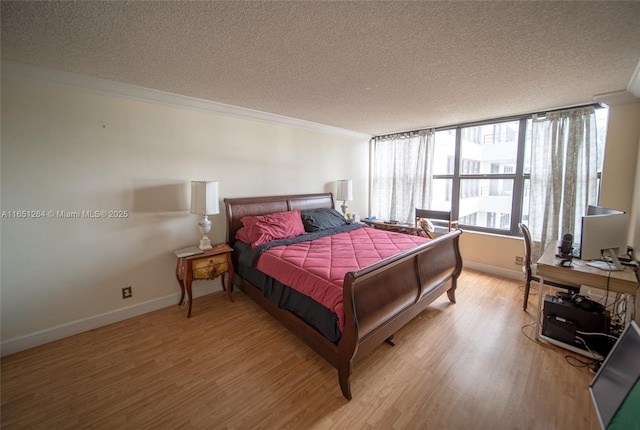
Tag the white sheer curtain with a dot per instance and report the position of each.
(564, 165)
(400, 174)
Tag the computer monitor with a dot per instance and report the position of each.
(599, 210)
(604, 237)
(615, 390)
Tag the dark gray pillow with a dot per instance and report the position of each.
(321, 219)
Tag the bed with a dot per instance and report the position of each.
(376, 300)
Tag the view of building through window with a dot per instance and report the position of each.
(479, 172)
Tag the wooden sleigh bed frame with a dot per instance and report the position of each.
(378, 300)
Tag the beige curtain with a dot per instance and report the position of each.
(400, 174)
(564, 163)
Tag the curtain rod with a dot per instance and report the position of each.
(493, 120)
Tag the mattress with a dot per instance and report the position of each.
(305, 274)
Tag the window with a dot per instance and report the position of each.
(493, 174)
(485, 180)
(481, 172)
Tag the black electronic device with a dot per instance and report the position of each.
(581, 301)
(563, 295)
(577, 322)
(566, 246)
(565, 263)
(586, 303)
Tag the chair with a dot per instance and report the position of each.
(434, 215)
(529, 269)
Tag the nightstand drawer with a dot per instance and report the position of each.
(210, 267)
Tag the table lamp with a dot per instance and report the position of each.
(204, 201)
(344, 193)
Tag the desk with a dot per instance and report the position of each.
(623, 282)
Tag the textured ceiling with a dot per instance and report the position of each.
(372, 67)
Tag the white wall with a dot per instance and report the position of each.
(66, 149)
(620, 188)
(635, 212)
(619, 167)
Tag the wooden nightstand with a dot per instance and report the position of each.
(208, 265)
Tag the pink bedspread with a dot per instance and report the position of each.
(317, 268)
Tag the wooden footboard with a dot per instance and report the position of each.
(381, 299)
(378, 300)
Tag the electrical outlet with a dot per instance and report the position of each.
(127, 292)
(519, 261)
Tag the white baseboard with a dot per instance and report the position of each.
(493, 270)
(41, 337)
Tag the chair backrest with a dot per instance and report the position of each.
(437, 215)
(526, 261)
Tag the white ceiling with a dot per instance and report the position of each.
(371, 67)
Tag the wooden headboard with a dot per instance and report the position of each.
(250, 206)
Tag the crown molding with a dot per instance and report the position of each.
(616, 98)
(630, 95)
(634, 82)
(27, 72)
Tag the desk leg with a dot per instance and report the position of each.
(539, 309)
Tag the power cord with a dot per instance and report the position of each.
(532, 324)
(533, 339)
(592, 365)
(532, 288)
(595, 357)
(594, 334)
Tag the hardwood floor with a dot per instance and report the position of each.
(463, 366)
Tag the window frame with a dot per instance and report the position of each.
(518, 177)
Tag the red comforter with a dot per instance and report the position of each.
(317, 267)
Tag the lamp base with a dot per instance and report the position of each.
(344, 208)
(205, 227)
(205, 243)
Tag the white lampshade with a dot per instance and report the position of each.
(204, 198)
(344, 190)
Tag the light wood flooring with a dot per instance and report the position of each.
(231, 366)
